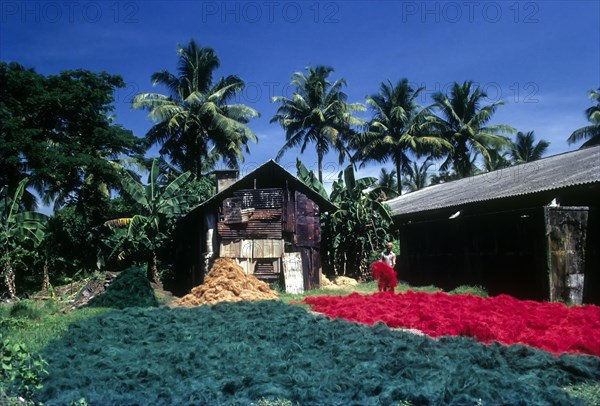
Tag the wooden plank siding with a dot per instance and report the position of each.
(308, 223)
(257, 219)
(289, 212)
(250, 230)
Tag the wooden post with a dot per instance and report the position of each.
(566, 233)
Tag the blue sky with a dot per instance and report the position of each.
(540, 57)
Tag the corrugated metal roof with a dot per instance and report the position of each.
(559, 171)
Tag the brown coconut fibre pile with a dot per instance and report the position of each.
(226, 282)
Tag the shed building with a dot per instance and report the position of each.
(268, 221)
(531, 230)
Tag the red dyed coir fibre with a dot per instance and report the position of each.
(552, 327)
(385, 275)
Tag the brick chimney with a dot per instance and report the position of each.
(225, 178)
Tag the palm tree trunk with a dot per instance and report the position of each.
(399, 176)
(152, 270)
(9, 280)
(320, 165)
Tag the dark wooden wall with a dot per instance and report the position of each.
(308, 239)
(504, 252)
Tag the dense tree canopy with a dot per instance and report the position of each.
(58, 130)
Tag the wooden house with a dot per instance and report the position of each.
(268, 222)
(531, 230)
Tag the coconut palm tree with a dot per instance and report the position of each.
(499, 158)
(590, 132)
(194, 121)
(524, 149)
(417, 177)
(398, 128)
(317, 113)
(388, 179)
(463, 123)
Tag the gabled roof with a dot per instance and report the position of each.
(268, 175)
(576, 168)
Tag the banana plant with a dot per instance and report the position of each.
(310, 179)
(361, 224)
(20, 231)
(159, 203)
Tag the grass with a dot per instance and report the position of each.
(364, 288)
(469, 290)
(36, 323)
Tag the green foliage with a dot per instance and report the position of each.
(524, 149)
(388, 179)
(195, 124)
(418, 176)
(399, 127)
(317, 113)
(7, 400)
(498, 158)
(72, 242)
(58, 130)
(425, 288)
(590, 133)
(20, 233)
(25, 310)
(53, 324)
(469, 290)
(130, 289)
(21, 372)
(463, 122)
(443, 176)
(201, 188)
(361, 225)
(160, 201)
(309, 178)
